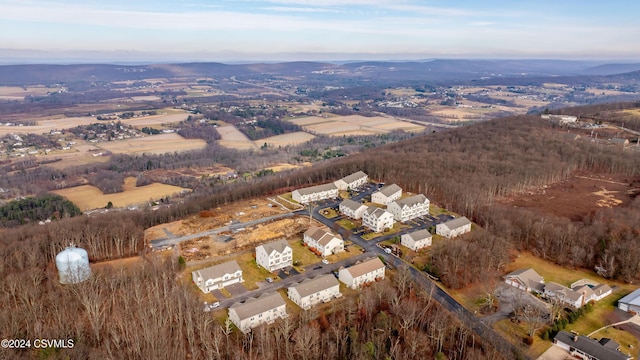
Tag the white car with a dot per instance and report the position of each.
(325, 261)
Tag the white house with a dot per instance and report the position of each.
(631, 302)
(386, 194)
(362, 273)
(453, 228)
(323, 241)
(352, 209)
(315, 193)
(352, 181)
(416, 240)
(409, 207)
(254, 312)
(217, 276)
(576, 298)
(583, 347)
(313, 291)
(275, 255)
(600, 291)
(377, 219)
(526, 279)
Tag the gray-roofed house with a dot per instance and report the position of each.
(600, 291)
(416, 240)
(526, 279)
(575, 298)
(352, 209)
(254, 312)
(323, 241)
(217, 276)
(315, 193)
(377, 219)
(409, 208)
(362, 273)
(310, 292)
(583, 347)
(386, 194)
(631, 302)
(352, 181)
(275, 255)
(453, 228)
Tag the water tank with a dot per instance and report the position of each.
(73, 265)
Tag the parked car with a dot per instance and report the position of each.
(325, 261)
(269, 280)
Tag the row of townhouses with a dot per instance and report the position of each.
(329, 191)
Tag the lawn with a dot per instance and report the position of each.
(251, 272)
(347, 224)
(302, 254)
(436, 210)
(516, 333)
(396, 227)
(329, 213)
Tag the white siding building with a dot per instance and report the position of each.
(526, 279)
(409, 207)
(387, 194)
(416, 240)
(352, 209)
(323, 241)
(377, 219)
(257, 311)
(315, 193)
(313, 291)
(631, 302)
(217, 276)
(362, 273)
(275, 255)
(453, 228)
(352, 181)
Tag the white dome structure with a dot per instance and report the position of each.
(73, 265)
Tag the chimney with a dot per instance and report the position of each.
(575, 338)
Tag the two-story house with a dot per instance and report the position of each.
(254, 312)
(453, 228)
(275, 255)
(322, 241)
(416, 240)
(310, 292)
(352, 209)
(362, 273)
(409, 208)
(377, 219)
(352, 181)
(315, 193)
(386, 194)
(217, 276)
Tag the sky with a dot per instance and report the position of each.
(280, 30)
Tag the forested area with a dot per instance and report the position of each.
(49, 206)
(267, 127)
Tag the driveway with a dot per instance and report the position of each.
(508, 298)
(236, 289)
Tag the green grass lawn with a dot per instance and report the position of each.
(329, 213)
(347, 224)
(251, 272)
(396, 227)
(302, 254)
(516, 333)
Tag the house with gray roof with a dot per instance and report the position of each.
(362, 273)
(322, 241)
(386, 194)
(217, 276)
(416, 240)
(583, 347)
(352, 209)
(352, 181)
(409, 208)
(377, 219)
(526, 279)
(275, 255)
(310, 292)
(254, 312)
(453, 228)
(631, 302)
(315, 193)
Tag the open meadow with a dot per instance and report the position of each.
(153, 144)
(234, 139)
(88, 197)
(19, 92)
(293, 138)
(354, 125)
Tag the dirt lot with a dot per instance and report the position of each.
(579, 195)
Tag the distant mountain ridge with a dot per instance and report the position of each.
(431, 70)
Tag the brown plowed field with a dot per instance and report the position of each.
(579, 196)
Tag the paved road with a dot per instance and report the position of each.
(161, 243)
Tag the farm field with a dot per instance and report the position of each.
(283, 166)
(354, 125)
(294, 138)
(234, 139)
(19, 92)
(88, 197)
(78, 155)
(154, 144)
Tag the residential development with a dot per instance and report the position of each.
(254, 312)
(275, 255)
(377, 219)
(217, 276)
(416, 240)
(453, 228)
(315, 193)
(362, 273)
(352, 181)
(313, 291)
(321, 241)
(409, 208)
(386, 194)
